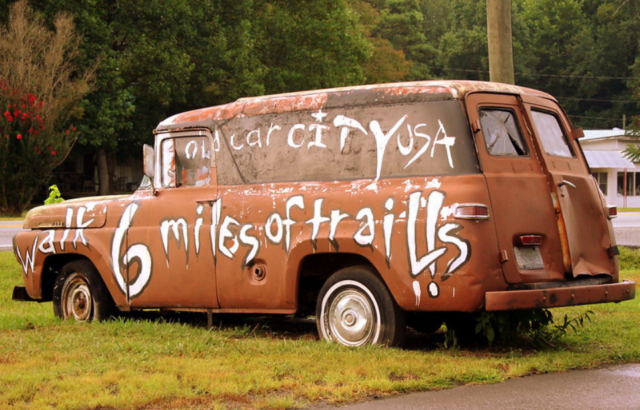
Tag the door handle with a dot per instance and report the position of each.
(567, 183)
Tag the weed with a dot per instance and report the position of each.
(54, 196)
(527, 328)
(629, 258)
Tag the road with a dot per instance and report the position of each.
(611, 388)
(7, 230)
(627, 228)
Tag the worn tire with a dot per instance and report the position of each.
(80, 294)
(355, 308)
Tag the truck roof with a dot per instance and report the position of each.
(340, 97)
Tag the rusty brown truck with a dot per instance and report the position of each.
(369, 207)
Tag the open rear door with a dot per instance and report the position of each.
(548, 215)
(589, 238)
(523, 211)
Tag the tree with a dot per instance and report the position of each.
(308, 44)
(40, 89)
(165, 56)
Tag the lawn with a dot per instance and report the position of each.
(175, 362)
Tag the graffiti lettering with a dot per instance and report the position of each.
(45, 242)
(135, 253)
(314, 136)
(228, 235)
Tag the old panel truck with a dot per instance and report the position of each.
(369, 207)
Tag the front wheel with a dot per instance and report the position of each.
(355, 308)
(80, 294)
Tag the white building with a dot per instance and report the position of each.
(603, 149)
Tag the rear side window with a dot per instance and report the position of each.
(550, 133)
(502, 135)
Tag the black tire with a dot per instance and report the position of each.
(425, 322)
(80, 294)
(355, 308)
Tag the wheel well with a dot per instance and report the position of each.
(52, 266)
(316, 269)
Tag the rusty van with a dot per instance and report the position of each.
(370, 207)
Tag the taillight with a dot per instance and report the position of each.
(471, 211)
(612, 211)
(530, 240)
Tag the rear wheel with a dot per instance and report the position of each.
(355, 308)
(80, 294)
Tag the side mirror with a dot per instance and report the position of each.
(149, 164)
(577, 133)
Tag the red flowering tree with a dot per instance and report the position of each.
(29, 149)
(40, 90)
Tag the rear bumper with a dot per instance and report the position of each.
(556, 297)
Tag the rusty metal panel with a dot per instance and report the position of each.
(567, 296)
(87, 214)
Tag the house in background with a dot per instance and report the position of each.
(603, 150)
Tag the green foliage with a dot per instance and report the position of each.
(527, 327)
(632, 152)
(54, 196)
(39, 93)
(165, 56)
(629, 258)
(29, 149)
(308, 44)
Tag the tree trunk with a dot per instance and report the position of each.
(103, 172)
(111, 165)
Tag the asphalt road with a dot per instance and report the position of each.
(627, 228)
(611, 388)
(7, 231)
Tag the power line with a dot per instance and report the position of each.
(595, 118)
(598, 100)
(600, 77)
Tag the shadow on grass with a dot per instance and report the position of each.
(289, 327)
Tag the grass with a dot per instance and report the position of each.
(147, 361)
(13, 218)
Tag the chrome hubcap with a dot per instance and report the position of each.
(351, 318)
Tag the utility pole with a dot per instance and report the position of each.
(500, 41)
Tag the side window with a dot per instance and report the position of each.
(602, 179)
(550, 133)
(501, 133)
(186, 162)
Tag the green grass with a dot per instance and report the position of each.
(145, 361)
(13, 218)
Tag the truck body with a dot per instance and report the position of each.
(361, 205)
